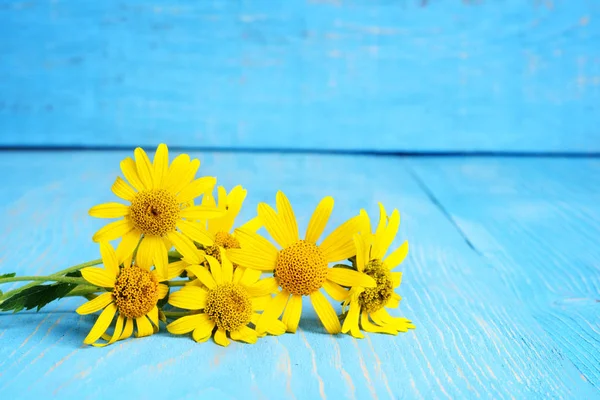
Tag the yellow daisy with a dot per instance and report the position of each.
(135, 293)
(371, 303)
(159, 207)
(226, 302)
(218, 230)
(301, 268)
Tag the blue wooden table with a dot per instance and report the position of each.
(321, 98)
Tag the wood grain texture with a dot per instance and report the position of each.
(473, 339)
(537, 223)
(410, 75)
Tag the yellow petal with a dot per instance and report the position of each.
(319, 219)
(96, 304)
(221, 338)
(144, 327)
(360, 251)
(109, 210)
(188, 173)
(145, 254)
(122, 189)
(99, 277)
(394, 301)
(367, 227)
(381, 225)
(274, 225)
(334, 290)
(263, 287)
(339, 245)
(189, 298)
(203, 275)
(204, 328)
(348, 277)
(249, 259)
(161, 257)
(109, 259)
(325, 312)
(244, 334)
(253, 242)
(129, 170)
(397, 256)
(382, 317)
(163, 290)
(128, 329)
(226, 266)
(116, 333)
(102, 324)
(396, 278)
(250, 276)
(196, 232)
(260, 303)
(196, 188)
(127, 246)
(186, 247)
(272, 311)
(382, 243)
(351, 321)
(186, 324)
(144, 168)
(153, 315)
(201, 212)
(215, 269)
(370, 327)
(160, 165)
(292, 313)
(252, 225)
(232, 204)
(238, 273)
(287, 217)
(113, 230)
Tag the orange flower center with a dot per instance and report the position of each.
(135, 291)
(154, 212)
(301, 268)
(229, 306)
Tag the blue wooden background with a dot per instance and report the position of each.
(503, 276)
(402, 75)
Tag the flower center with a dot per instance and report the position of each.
(222, 239)
(373, 299)
(135, 292)
(301, 268)
(154, 212)
(229, 306)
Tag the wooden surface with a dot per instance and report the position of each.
(502, 282)
(403, 75)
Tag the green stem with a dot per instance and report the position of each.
(176, 314)
(65, 279)
(84, 290)
(77, 267)
(176, 283)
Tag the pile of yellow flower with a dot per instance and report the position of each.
(180, 261)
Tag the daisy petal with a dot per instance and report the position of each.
(272, 311)
(145, 254)
(122, 189)
(188, 173)
(196, 232)
(274, 225)
(381, 225)
(160, 164)
(381, 245)
(203, 329)
(163, 290)
(334, 290)
(161, 257)
(189, 298)
(130, 172)
(396, 278)
(394, 301)
(196, 188)
(247, 259)
(325, 312)
(177, 170)
(98, 276)
(186, 247)
(397, 256)
(144, 168)
(116, 333)
(339, 245)
(144, 327)
(319, 219)
(221, 338)
(254, 242)
(127, 246)
(186, 324)
(287, 217)
(351, 321)
(370, 327)
(113, 230)
(244, 334)
(153, 315)
(203, 275)
(96, 304)
(349, 277)
(109, 259)
(263, 287)
(201, 212)
(128, 329)
(226, 266)
(109, 210)
(215, 269)
(292, 313)
(252, 225)
(102, 324)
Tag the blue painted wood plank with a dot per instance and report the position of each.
(471, 341)
(408, 75)
(537, 223)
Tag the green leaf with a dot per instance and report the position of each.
(37, 296)
(9, 275)
(74, 274)
(162, 302)
(352, 267)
